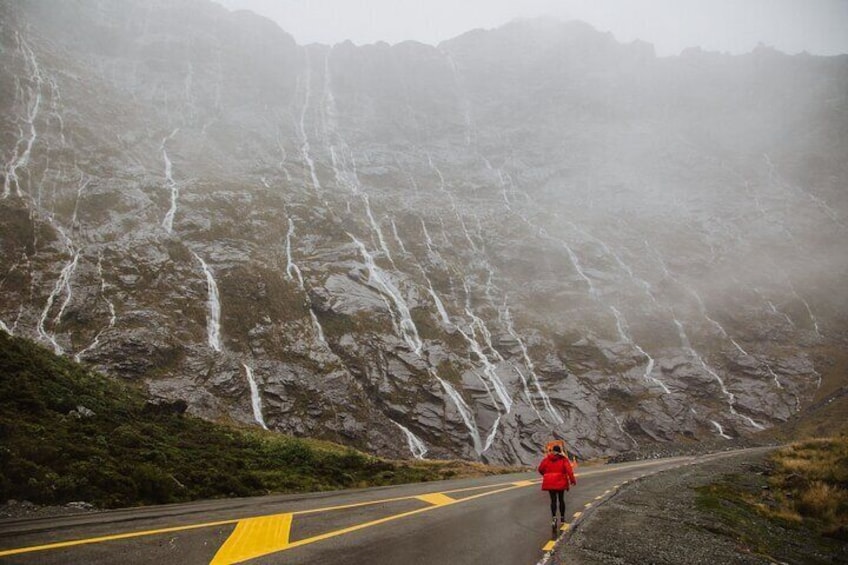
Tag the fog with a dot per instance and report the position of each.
(735, 26)
(537, 228)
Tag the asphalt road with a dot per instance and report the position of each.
(495, 520)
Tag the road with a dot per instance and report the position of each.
(495, 520)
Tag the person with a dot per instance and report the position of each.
(557, 477)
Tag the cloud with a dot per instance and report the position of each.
(671, 25)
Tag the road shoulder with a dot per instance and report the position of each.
(661, 519)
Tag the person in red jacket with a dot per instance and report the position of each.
(557, 477)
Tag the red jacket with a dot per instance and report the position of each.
(556, 472)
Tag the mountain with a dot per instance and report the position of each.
(451, 251)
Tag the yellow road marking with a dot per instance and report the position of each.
(587, 505)
(598, 497)
(565, 527)
(114, 537)
(436, 498)
(130, 535)
(549, 546)
(255, 537)
(577, 515)
(362, 526)
(144, 533)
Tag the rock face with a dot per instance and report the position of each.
(462, 249)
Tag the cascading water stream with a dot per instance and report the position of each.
(731, 398)
(375, 227)
(416, 446)
(813, 319)
(488, 368)
(624, 333)
(440, 307)
(213, 318)
(293, 273)
(113, 316)
(492, 433)
(546, 401)
(428, 241)
(398, 239)
(720, 429)
(292, 270)
(255, 397)
(377, 276)
(621, 428)
(170, 184)
(304, 147)
(464, 412)
(33, 104)
(63, 284)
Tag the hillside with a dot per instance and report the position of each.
(70, 434)
(456, 251)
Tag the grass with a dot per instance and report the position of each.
(810, 485)
(792, 508)
(124, 452)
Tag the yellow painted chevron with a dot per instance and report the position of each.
(436, 498)
(255, 537)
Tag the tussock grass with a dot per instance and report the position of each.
(809, 484)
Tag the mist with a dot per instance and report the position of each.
(791, 26)
(461, 245)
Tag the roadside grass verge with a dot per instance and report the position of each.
(809, 485)
(791, 508)
(70, 434)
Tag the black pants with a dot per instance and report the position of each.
(560, 496)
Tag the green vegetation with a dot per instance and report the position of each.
(794, 508)
(68, 434)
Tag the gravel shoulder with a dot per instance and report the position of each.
(660, 519)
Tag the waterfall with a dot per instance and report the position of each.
(290, 266)
(464, 413)
(440, 307)
(376, 275)
(33, 105)
(304, 147)
(427, 239)
(213, 319)
(491, 438)
(113, 316)
(255, 398)
(376, 228)
(316, 325)
(170, 184)
(720, 430)
(488, 369)
(62, 284)
(621, 428)
(397, 238)
(546, 401)
(416, 446)
(623, 332)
